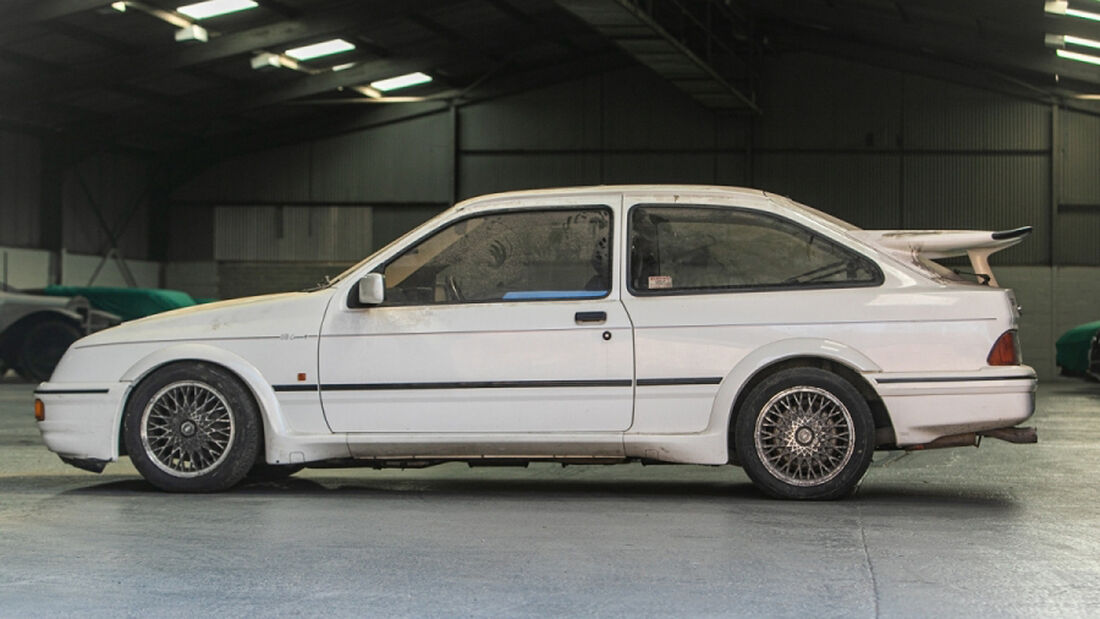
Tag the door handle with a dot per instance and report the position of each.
(583, 317)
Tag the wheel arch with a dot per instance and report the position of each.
(272, 422)
(836, 357)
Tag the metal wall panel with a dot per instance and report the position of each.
(1078, 238)
(983, 192)
(289, 234)
(679, 168)
(1081, 158)
(563, 116)
(114, 184)
(862, 189)
(641, 111)
(390, 222)
(816, 102)
(405, 162)
(20, 178)
(272, 176)
(942, 116)
(481, 174)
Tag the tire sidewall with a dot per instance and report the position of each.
(242, 452)
(863, 428)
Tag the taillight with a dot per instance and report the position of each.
(1006, 351)
(39, 410)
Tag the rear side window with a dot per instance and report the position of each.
(685, 249)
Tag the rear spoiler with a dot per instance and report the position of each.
(978, 245)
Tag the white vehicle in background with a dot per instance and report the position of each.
(683, 324)
(35, 329)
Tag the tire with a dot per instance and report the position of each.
(262, 471)
(805, 433)
(192, 427)
(43, 346)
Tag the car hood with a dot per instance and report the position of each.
(292, 313)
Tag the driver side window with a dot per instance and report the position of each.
(509, 256)
(707, 249)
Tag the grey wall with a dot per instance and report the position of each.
(20, 184)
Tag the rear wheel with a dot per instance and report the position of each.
(805, 433)
(192, 427)
(43, 346)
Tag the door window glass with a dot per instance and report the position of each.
(511, 256)
(685, 249)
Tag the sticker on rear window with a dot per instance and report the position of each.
(657, 282)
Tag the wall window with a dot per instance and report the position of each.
(700, 248)
(509, 256)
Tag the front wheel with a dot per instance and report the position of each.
(805, 433)
(192, 427)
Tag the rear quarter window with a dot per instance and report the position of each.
(700, 249)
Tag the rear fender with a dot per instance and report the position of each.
(770, 354)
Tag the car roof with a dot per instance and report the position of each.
(590, 190)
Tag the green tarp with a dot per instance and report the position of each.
(128, 303)
(1073, 347)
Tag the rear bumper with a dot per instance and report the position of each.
(82, 419)
(924, 407)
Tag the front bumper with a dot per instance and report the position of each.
(82, 419)
(924, 407)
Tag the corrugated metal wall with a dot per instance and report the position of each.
(878, 147)
(1079, 210)
(20, 186)
(292, 233)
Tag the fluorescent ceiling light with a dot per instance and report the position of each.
(1064, 53)
(1083, 14)
(1061, 7)
(213, 8)
(341, 67)
(1088, 97)
(316, 50)
(401, 81)
(119, 6)
(1072, 40)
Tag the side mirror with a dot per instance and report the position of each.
(372, 287)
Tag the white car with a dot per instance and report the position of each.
(683, 324)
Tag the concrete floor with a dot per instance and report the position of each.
(1000, 531)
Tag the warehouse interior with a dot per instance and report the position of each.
(207, 175)
(143, 147)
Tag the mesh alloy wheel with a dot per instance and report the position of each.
(803, 436)
(187, 429)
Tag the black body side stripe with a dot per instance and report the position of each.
(668, 382)
(505, 384)
(950, 379)
(70, 391)
(294, 387)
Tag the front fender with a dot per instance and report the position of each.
(274, 422)
(734, 382)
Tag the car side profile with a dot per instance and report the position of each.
(674, 324)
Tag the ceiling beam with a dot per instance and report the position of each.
(328, 20)
(1025, 59)
(205, 107)
(16, 14)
